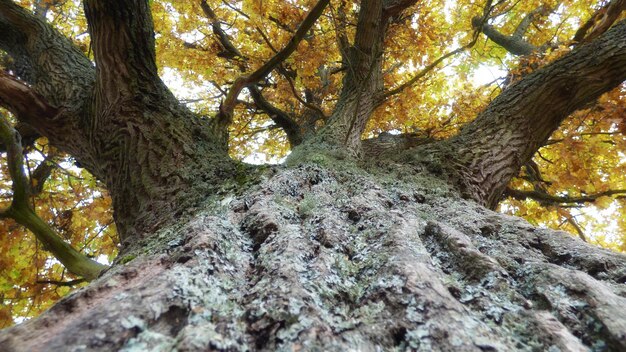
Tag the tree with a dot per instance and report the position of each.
(378, 243)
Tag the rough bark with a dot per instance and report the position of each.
(44, 58)
(323, 253)
(59, 75)
(339, 258)
(362, 84)
(144, 144)
(489, 151)
(118, 120)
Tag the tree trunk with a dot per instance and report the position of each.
(327, 252)
(341, 257)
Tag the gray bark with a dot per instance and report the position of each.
(340, 258)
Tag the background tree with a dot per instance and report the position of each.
(374, 233)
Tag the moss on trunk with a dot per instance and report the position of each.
(338, 258)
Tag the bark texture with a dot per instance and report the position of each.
(329, 258)
(332, 251)
(118, 119)
(490, 150)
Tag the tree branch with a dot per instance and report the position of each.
(28, 134)
(423, 72)
(289, 75)
(340, 23)
(280, 117)
(306, 104)
(477, 22)
(513, 44)
(368, 40)
(48, 61)
(600, 21)
(122, 35)
(43, 171)
(549, 199)
(229, 48)
(56, 80)
(26, 104)
(489, 151)
(362, 83)
(522, 27)
(15, 162)
(572, 221)
(226, 108)
(20, 211)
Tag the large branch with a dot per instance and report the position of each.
(225, 115)
(137, 138)
(125, 127)
(550, 199)
(24, 102)
(600, 21)
(363, 89)
(368, 40)
(362, 83)
(490, 150)
(36, 116)
(280, 117)
(44, 58)
(21, 211)
(522, 27)
(56, 80)
(122, 35)
(31, 109)
(516, 45)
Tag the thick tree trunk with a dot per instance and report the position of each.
(118, 120)
(324, 254)
(340, 258)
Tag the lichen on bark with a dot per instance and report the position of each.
(380, 263)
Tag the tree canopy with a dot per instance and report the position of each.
(271, 73)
